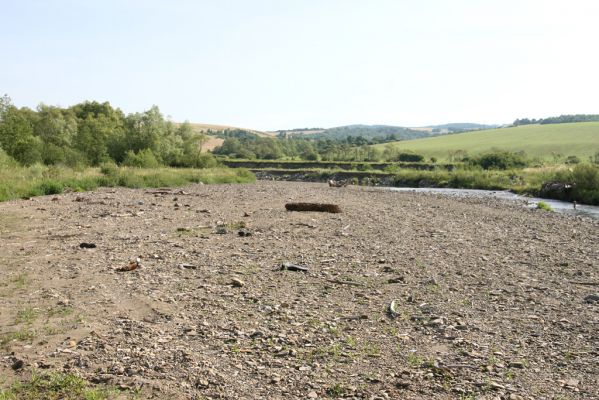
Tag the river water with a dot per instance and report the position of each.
(558, 206)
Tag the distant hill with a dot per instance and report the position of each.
(205, 128)
(366, 131)
(462, 126)
(544, 141)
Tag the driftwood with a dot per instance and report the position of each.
(293, 267)
(319, 207)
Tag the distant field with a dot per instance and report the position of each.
(543, 141)
(200, 128)
(211, 143)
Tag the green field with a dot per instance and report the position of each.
(537, 141)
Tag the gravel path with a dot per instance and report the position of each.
(490, 299)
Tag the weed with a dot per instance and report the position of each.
(541, 205)
(415, 361)
(337, 390)
(20, 281)
(26, 316)
(17, 336)
(351, 342)
(58, 386)
(371, 350)
(61, 311)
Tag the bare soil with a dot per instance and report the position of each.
(490, 299)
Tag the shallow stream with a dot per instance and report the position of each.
(558, 206)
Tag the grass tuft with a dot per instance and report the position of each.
(541, 205)
(58, 386)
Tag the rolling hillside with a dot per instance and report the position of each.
(367, 132)
(202, 128)
(543, 141)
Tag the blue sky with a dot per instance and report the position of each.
(306, 63)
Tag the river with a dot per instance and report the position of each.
(558, 206)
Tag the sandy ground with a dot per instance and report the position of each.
(490, 299)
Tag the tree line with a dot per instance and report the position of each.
(91, 133)
(562, 119)
(243, 145)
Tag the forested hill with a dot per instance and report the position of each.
(369, 132)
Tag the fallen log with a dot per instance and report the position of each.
(318, 207)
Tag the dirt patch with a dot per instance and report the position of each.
(489, 299)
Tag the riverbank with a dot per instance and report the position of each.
(490, 298)
(38, 180)
(580, 183)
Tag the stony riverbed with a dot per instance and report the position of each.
(491, 300)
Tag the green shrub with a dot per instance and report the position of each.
(7, 161)
(143, 159)
(541, 205)
(49, 187)
(572, 160)
(409, 157)
(109, 169)
(499, 160)
(585, 178)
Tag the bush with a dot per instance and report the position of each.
(572, 160)
(409, 157)
(109, 169)
(143, 159)
(585, 178)
(7, 161)
(51, 187)
(500, 160)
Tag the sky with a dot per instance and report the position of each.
(283, 64)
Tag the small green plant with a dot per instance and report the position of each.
(22, 335)
(20, 281)
(541, 205)
(415, 361)
(351, 341)
(337, 390)
(61, 311)
(371, 350)
(26, 316)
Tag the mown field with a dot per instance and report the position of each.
(546, 142)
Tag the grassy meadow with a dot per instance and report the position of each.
(543, 142)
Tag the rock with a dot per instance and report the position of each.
(236, 282)
(312, 395)
(244, 233)
(257, 334)
(592, 298)
(17, 364)
(572, 382)
(85, 245)
(403, 384)
(516, 364)
(399, 279)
